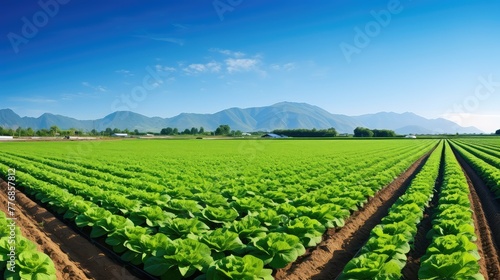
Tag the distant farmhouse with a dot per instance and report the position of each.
(273, 135)
(411, 136)
(119, 134)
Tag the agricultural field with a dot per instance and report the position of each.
(255, 209)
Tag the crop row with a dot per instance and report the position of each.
(452, 253)
(19, 257)
(384, 254)
(229, 230)
(481, 164)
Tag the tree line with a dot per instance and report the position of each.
(303, 132)
(366, 132)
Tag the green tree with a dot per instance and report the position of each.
(175, 131)
(108, 131)
(223, 129)
(362, 132)
(497, 132)
(201, 130)
(186, 131)
(194, 130)
(54, 130)
(167, 131)
(30, 131)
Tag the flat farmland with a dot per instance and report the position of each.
(256, 209)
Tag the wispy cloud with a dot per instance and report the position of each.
(173, 40)
(163, 68)
(234, 65)
(231, 53)
(34, 100)
(283, 67)
(96, 88)
(195, 68)
(124, 72)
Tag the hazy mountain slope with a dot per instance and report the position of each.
(279, 115)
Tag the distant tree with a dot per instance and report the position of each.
(136, 131)
(116, 130)
(54, 129)
(108, 131)
(383, 133)
(167, 131)
(43, 132)
(201, 130)
(194, 130)
(362, 132)
(303, 132)
(223, 129)
(186, 131)
(19, 131)
(497, 132)
(30, 131)
(175, 131)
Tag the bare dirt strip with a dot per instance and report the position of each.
(487, 221)
(339, 246)
(74, 257)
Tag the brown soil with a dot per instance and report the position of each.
(74, 256)
(340, 245)
(486, 221)
(420, 241)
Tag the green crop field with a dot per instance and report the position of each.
(243, 209)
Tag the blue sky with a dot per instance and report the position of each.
(86, 59)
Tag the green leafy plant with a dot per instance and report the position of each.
(238, 268)
(277, 249)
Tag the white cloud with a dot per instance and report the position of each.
(124, 72)
(195, 68)
(96, 88)
(164, 68)
(236, 54)
(241, 64)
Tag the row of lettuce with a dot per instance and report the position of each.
(452, 253)
(385, 253)
(484, 159)
(232, 233)
(19, 256)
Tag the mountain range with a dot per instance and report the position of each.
(283, 115)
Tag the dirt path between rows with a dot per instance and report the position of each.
(420, 241)
(74, 257)
(339, 246)
(486, 221)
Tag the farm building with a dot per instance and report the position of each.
(6, 137)
(119, 135)
(273, 135)
(411, 136)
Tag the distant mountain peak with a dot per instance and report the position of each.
(285, 114)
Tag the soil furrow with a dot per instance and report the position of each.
(340, 245)
(421, 242)
(74, 256)
(486, 219)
